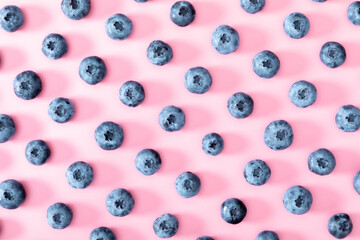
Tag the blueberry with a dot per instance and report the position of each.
(182, 13)
(59, 215)
(27, 85)
(12, 194)
(11, 18)
(204, 238)
(266, 64)
(332, 54)
(240, 105)
(131, 93)
(166, 225)
(198, 80)
(118, 27)
(356, 182)
(148, 161)
(7, 128)
(225, 39)
(120, 202)
(109, 135)
(296, 25)
(233, 210)
(187, 184)
(252, 6)
(212, 144)
(321, 162)
(159, 53)
(297, 200)
(80, 174)
(37, 152)
(76, 9)
(302, 94)
(141, 1)
(340, 225)
(54, 46)
(348, 118)
(267, 235)
(61, 110)
(278, 135)
(92, 70)
(353, 13)
(257, 172)
(102, 233)
(171, 118)
(319, 0)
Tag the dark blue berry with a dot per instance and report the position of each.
(187, 184)
(340, 225)
(148, 161)
(109, 135)
(7, 128)
(59, 215)
(166, 225)
(80, 174)
(159, 53)
(120, 202)
(76, 9)
(296, 25)
(171, 118)
(240, 105)
(198, 80)
(118, 27)
(61, 110)
(297, 200)
(332, 54)
(11, 18)
(37, 152)
(252, 6)
(225, 39)
(278, 135)
(54, 46)
(321, 162)
(266, 64)
(132, 93)
(92, 70)
(12, 194)
(27, 85)
(182, 13)
(212, 144)
(303, 94)
(257, 172)
(347, 118)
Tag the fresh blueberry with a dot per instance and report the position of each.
(225, 39)
(80, 174)
(348, 118)
(302, 94)
(118, 27)
(37, 152)
(171, 118)
(120, 202)
(148, 161)
(198, 80)
(212, 144)
(332, 54)
(7, 128)
(131, 93)
(340, 225)
(109, 135)
(297, 200)
(353, 13)
(141, 1)
(296, 25)
(356, 182)
(92, 70)
(182, 13)
(267, 235)
(266, 64)
(319, 0)
(159, 53)
(61, 110)
(278, 135)
(187, 184)
(54, 46)
(27, 85)
(11, 18)
(252, 6)
(321, 162)
(233, 210)
(76, 9)
(102, 233)
(12, 194)
(166, 225)
(240, 105)
(257, 172)
(59, 215)
(204, 238)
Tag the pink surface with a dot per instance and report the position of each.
(221, 176)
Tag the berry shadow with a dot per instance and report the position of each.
(78, 45)
(265, 104)
(189, 224)
(196, 118)
(184, 52)
(211, 184)
(124, 232)
(136, 135)
(61, 151)
(5, 160)
(53, 83)
(275, 6)
(329, 93)
(118, 70)
(281, 171)
(84, 214)
(11, 229)
(105, 174)
(38, 192)
(224, 79)
(346, 161)
(306, 133)
(11, 58)
(352, 54)
(35, 17)
(291, 63)
(257, 209)
(290, 235)
(86, 109)
(320, 25)
(205, 12)
(144, 25)
(156, 93)
(27, 127)
(101, 10)
(325, 198)
(233, 143)
(251, 39)
(172, 161)
(146, 201)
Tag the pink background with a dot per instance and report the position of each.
(221, 176)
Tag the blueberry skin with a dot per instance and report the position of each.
(278, 135)
(332, 54)
(225, 39)
(296, 25)
(347, 118)
(159, 53)
(340, 225)
(204, 238)
(356, 182)
(37, 152)
(12, 194)
(109, 135)
(302, 94)
(257, 172)
(166, 225)
(198, 80)
(267, 235)
(353, 13)
(54, 46)
(233, 210)
(61, 110)
(118, 27)
(7, 128)
(171, 118)
(141, 1)
(187, 184)
(182, 13)
(120, 202)
(92, 70)
(240, 105)
(148, 162)
(321, 162)
(319, 0)
(252, 6)
(27, 85)
(132, 93)
(103, 233)
(80, 174)
(59, 215)
(212, 144)
(76, 9)
(297, 200)
(266, 64)
(11, 18)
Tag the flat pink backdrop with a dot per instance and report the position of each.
(221, 176)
